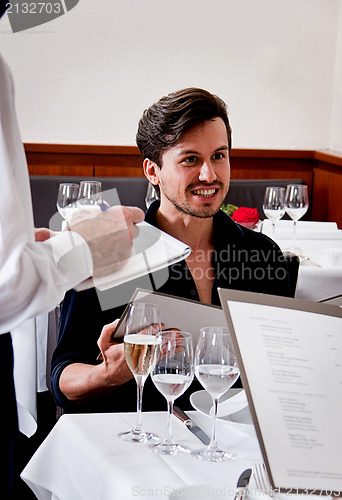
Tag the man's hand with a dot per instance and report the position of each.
(109, 235)
(113, 355)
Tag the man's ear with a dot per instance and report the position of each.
(151, 171)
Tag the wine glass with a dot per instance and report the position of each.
(140, 340)
(66, 199)
(172, 375)
(296, 204)
(217, 370)
(151, 195)
(90, 196)
(274, 204)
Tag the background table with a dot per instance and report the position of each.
(318, 279)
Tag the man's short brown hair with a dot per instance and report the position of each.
(163, 124)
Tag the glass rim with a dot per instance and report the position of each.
(91, 182)
(148, 304)
(205, 329)
(179, 332)
(297, 185)
(74, 184)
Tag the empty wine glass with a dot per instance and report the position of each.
(142, 324)
(274, 204)
(296, 204)
(66, 199)
(217, 370)
(90, 196)
(172, 375)
(151, 195)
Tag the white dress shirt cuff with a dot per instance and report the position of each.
(72, 256)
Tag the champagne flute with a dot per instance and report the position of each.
(217, 370)
(142, 324)
(172, 375)
(274, 204)
(296, 204)
(66, 199)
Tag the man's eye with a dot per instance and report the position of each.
(218, 156)
(190, 159)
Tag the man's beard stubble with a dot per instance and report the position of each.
(187, 209)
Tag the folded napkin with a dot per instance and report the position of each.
(332, 257)
(302, 225)
(306, 230)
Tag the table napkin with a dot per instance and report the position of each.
(306, 230)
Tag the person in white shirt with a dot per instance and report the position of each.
(35, 274)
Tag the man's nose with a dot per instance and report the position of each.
(207, 172)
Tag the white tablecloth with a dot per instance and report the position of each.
(83, 459)
(318, 279)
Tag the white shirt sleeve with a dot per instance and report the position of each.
(33, 275)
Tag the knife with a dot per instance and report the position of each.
(191, 425)
(242, 484)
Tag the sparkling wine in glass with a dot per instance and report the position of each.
(274, 204)
(172, 375)
(217, 370)
(66, 199)
(296, 204)
(140, 341)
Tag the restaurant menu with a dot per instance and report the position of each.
(291, 367)
(184, 314)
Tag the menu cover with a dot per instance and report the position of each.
(185, 314)
(290, 356)
(152, 250)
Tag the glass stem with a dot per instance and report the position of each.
(273, 227)
(140, 387)
(213, 443)
(168, 439)
(294, 233)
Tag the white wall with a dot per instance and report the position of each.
(86, 77)
(336, 139)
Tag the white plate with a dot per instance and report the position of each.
(202, 402)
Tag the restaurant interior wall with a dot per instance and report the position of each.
(336, 142)
(86, 77)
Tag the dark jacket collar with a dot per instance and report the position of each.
(225, 229)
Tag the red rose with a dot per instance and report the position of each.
(245, 216)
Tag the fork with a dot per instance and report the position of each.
(261, 480)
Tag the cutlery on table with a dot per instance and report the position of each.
(262, 481)
(194, 428)
(242, 484)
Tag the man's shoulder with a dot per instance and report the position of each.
(232, 232)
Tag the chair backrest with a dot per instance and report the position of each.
(132, 191)
(250, 192)
(44, 189)
(292, 261)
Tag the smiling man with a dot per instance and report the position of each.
(185, 141)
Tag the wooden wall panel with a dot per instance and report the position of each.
(321, 170)
(327, 194)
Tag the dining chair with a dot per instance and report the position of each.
(292, 261)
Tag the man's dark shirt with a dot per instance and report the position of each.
(242, 260)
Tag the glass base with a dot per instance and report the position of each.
(138, 437)
(169, 448)
(215, 455)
